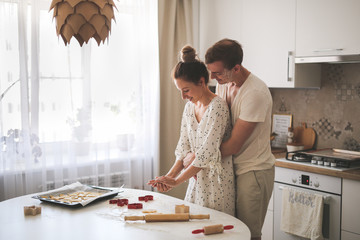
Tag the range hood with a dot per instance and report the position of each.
(329, 59)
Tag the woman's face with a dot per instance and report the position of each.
(190, 90)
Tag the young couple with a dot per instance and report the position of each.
(210, 150)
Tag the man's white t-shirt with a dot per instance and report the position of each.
(253, 103)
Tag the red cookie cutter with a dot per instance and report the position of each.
(149, 197)
(135, 206)
(146, 198)
(119, 202)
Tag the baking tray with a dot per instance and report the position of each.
(86, 194)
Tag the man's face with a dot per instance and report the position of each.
(219, 72)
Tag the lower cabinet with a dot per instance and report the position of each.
(350, 227)
(267, 230)
(349, 236)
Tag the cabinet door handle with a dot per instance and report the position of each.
(329, 50)
(289, 76)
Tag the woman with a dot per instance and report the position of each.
(205, 124)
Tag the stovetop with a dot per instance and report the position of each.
(334, 159)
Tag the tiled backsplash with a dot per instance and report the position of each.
(332, 111)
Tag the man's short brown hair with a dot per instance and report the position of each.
(227, 51)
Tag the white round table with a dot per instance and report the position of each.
(101, 220)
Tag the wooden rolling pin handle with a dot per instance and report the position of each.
(200, 216)
(134, 218)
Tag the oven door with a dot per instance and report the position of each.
(331, 214)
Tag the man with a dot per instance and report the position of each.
(250, 103)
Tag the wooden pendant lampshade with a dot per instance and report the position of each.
(83, 19)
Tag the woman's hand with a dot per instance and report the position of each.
(161, 187)
(189, 158)
(166, 180)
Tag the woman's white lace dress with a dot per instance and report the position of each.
(214, 187)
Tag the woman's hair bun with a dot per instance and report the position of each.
(188, 54)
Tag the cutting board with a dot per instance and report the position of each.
(304, 136)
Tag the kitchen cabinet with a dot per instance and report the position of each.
(266, 30)
(350, 229)
(349, 236)
(267, 229)
(274, 32)
(268, 40)
(327, 27)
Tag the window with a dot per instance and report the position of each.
(66, 106)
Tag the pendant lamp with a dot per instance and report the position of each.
(83, 19)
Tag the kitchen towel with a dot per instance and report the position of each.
(302, 213)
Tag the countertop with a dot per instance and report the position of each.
(353, 174)
(101, 220)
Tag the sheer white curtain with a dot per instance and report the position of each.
(71, 113)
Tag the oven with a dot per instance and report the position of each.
(327, 186)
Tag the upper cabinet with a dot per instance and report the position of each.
(327, 27)
(274, 32)
(268, 40)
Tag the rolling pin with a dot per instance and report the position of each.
(173, 217)
(212, 229)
